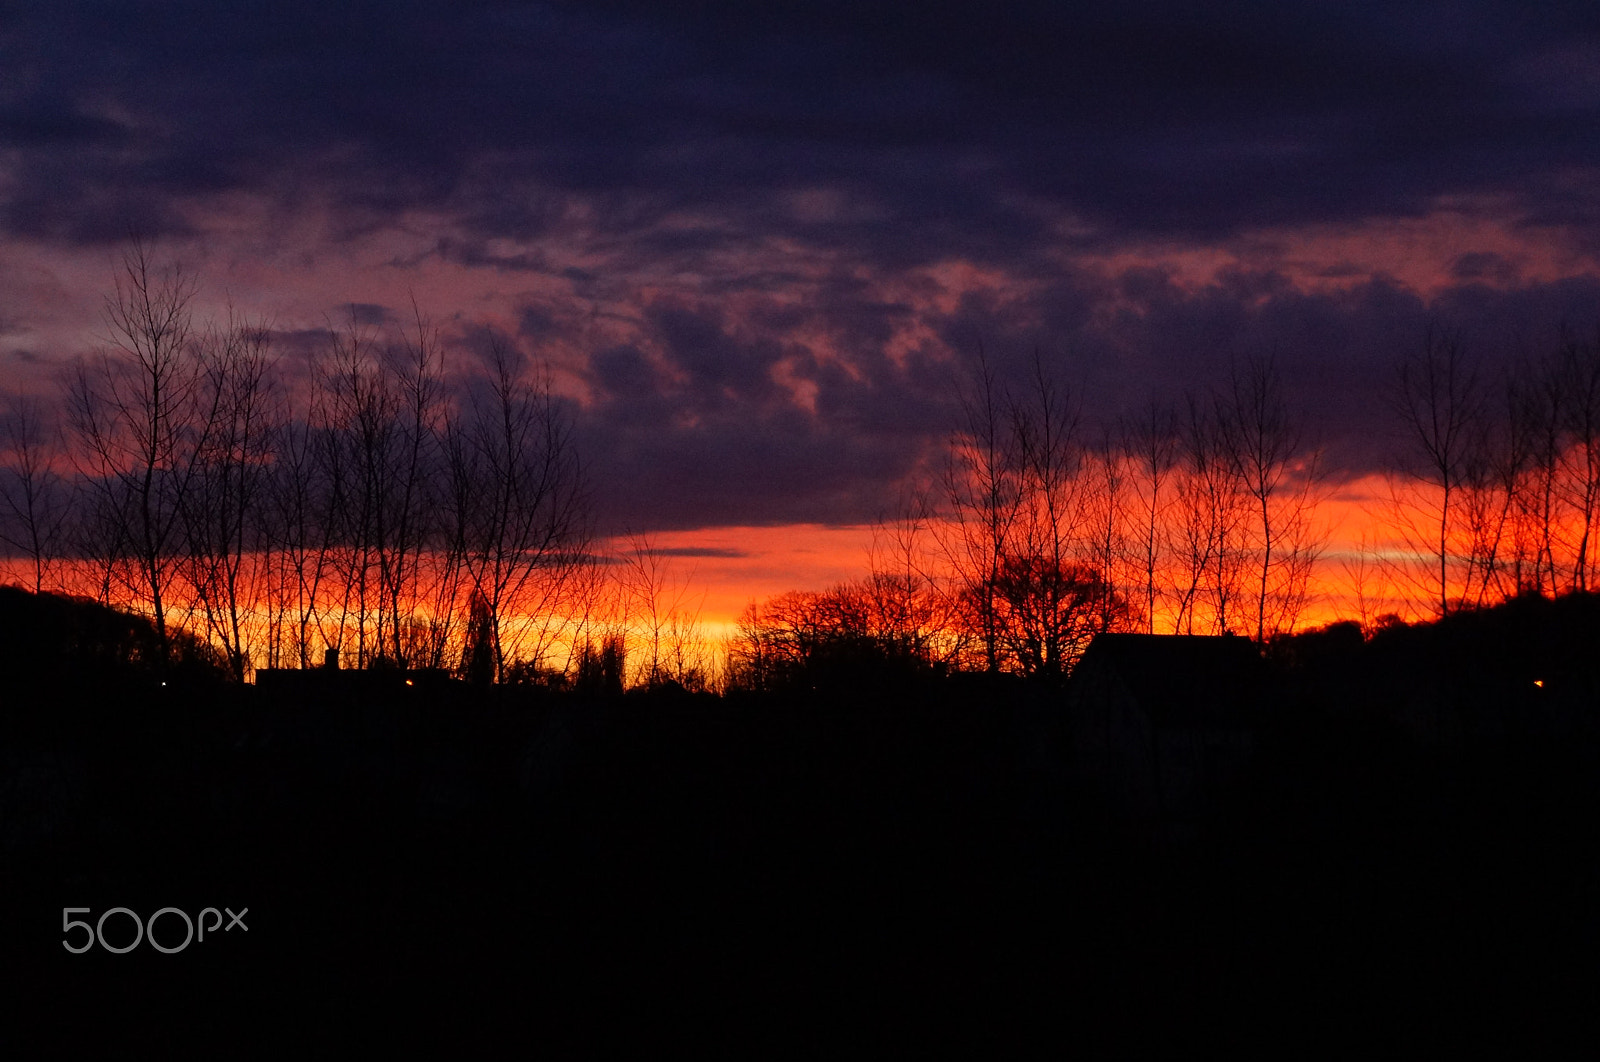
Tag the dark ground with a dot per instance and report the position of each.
(889, 873)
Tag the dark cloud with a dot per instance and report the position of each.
(719, 365)
(677, 457)
(942, 131)
(1484, 265)
(779, 470)
(367, 313)
(799, 162)
(629, 378)
(703, 433)
(54, 124)
(702, 551)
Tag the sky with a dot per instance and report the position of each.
(761, 245)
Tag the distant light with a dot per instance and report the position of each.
(411, 683)
(1539, 683)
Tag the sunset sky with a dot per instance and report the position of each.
(761, 244)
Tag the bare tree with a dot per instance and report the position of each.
(1517, 468)
(804, 639)
(223, 508)
(1044, 584)
(1502, 448)
(358, 438)
(34, 492)
(910, 599)
(659, 610)
(1212, 505)
(1437, 399)
(982, 490)
(1033, 531)
(302, 528)
(1367, 586)
(407, 503)
(1150, 444)
(136, 412)
(1537, 410)
(1106, 505)
(385, 414)
(1052, 612)
(520, 504)
(1579, 375)
(1279, 478)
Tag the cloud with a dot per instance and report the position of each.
(1484, 265)
(906, 135)
(703, 552)
(684, 444)
(367, 313)
(764, 244)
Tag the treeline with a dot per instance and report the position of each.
(367, 499)
(1041, 534)
(379, 506)
(1207, 517)
(1500, 492)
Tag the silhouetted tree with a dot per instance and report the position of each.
(1278, 476)
(600, 670)
(359, 437)
(302, 525)
(1034, 539)
(407, 503)
(226, 549)
(909, 599)
(1150, 443)
(866, 633)
(520, 504)
(385, 408)
(1536, 403)
(983, 493)
(136, 411)
(1578, 373)
(1212, 505)
(36, 497)
(477, 658)
(1051, 612)
(1438, 401)
(656, 608)
(1044, 569)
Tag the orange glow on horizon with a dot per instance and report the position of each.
(762, 562)
(706, 578)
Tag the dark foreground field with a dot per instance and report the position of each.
(885, 873)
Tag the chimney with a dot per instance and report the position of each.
(330, 659)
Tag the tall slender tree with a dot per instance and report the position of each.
(982, 491)
(1279, 477)
(520, 504)
(136, 411)
(223, 510)
(35, 494)
(1150, 443)
(1437, 399)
